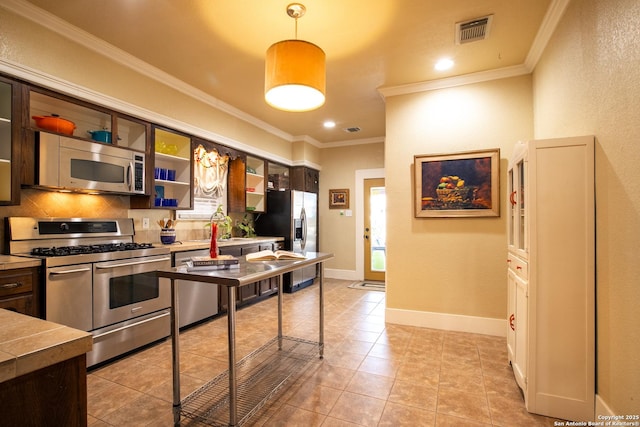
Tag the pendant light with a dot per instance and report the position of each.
(295, 71)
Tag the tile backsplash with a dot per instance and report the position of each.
(47, 204)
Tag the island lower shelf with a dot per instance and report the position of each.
(260, 376)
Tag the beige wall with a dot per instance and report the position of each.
(305, 153)
(338, 232)
(588, 82)
(450, 265)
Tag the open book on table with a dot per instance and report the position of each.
(268, 255)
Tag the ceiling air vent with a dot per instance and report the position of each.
(473, 30)
(353, 129)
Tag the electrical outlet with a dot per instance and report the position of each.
(145, 223)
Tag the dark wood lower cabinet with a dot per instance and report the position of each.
(19, 290)
(253, 292)
(305, 179)
(52, 396)
(268, 286)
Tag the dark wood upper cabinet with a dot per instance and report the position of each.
(305, 179)
(236, 184)
(278, 177)
(247, 184)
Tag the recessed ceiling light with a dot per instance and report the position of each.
(329, 124)
(444, 64)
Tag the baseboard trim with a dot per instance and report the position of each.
(448, 322)
(602, 408)
(334, 273)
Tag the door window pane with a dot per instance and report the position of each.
(378, 206)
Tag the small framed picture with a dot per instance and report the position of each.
(339, 199)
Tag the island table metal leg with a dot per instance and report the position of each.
(175, 358)
(321, 309)
(231, 331)
(280, 312)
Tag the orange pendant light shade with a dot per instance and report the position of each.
(295, 76)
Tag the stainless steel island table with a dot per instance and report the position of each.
(258, 376)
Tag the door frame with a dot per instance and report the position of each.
(361, 175)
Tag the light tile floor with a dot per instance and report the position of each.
(373, 374)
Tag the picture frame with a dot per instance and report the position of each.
(464, 184)
(339, 199)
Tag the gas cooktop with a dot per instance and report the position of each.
(89, 249)
(68, 241)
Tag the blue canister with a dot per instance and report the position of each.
(167, 236)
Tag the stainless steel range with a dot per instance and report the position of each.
(98, 280)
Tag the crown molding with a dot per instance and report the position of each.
(308, 140)
(346, 143)
(306, 163)
(343, 143)
(549, 24)
(483, 76)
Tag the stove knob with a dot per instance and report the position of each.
(64, 227)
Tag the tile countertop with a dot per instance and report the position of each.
(8, 262)
(191, 245)
(28, 344)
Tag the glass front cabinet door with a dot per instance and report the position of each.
(9, 135)
(518, 236)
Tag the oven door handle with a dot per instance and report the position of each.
(122, 328)
(116, 264)
(75, 270)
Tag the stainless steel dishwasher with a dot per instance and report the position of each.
(196, 300)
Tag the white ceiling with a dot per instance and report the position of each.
(218, 47)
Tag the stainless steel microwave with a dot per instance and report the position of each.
(77, 165)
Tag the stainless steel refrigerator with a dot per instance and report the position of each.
(293, 215)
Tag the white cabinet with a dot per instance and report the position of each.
(255, 185)
(518, 255)
(171, 176)
(551, 275)
(517, 180)
(518, 291)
